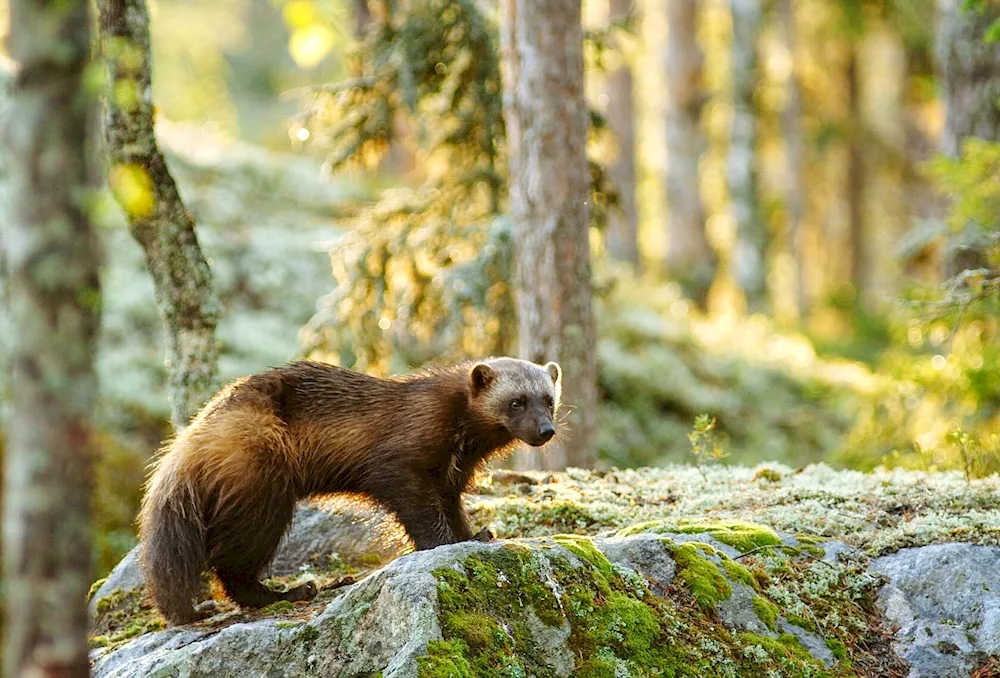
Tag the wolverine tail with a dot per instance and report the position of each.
(173, 552)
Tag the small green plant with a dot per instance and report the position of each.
(707, 445)
(979, 458)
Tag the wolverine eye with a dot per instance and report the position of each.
(549, 402)
(516, 404)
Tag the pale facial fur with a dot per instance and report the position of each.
(524, 395)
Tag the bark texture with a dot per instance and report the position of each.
(157, 217)
(623, 226)
(689, 256)
(54, 303)
(970, 73)
(546, 119)
(861, 260)
(741, 162)
(791, 132)
(969, 69)
(362, 18)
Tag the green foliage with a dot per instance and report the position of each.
(425, 272)
(706, 445)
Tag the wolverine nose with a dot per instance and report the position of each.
(546, 432)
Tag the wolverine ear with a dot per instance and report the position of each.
(554, 371)
(482, 376)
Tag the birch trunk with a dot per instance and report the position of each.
(157, 217)
(791, 124)
(689, 257)
(969, 70)
(53, 294)
(623, 243)
(546, 120)
(749, 257)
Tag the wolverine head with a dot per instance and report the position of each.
(520, 394)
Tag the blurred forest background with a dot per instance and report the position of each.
(795, 209)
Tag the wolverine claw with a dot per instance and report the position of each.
(485, 535)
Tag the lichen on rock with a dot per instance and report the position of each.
(625, 573)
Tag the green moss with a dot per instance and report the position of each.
(766, 610)
(280, 607)
(488, 604)
(308, 634)
(740, 534)
(98, 641)
(699, 574)
(767, 474)
(445, 659)
(785, 646)
(739, 573)
(565, 515)
(838, 649)
(585, 549)
(95, 586)
(288, 624)
(370, 559)
(481, 632)
(801, 622)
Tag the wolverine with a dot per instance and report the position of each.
(224, 489)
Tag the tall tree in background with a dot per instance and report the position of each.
(689, 256)
(54, 302)
(362, 18)
(969, 68)
(749, 257)
(156, 214)
(623, 224)
(546, 121)
(791, 132)
(861, 260)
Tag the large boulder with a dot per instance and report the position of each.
(718, 571)
(556, 606)
(944, 600)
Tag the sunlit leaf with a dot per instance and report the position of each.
(310, 44)
(133, 189)
(299, 14)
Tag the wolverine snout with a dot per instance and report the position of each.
(546, 432)
(541, 436)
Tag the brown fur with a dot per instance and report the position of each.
(223, 492)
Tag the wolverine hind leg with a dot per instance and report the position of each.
(244, 543)
(253, 499)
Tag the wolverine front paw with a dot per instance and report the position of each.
(485, 535)
(306, 591)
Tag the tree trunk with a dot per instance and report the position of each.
(54, 304)
(791, 124)
(689, 257)
(969, 69)
(157, 217)
(546, 119)
(362, 18)
(861, 273)
(749, 257)
(622, 241)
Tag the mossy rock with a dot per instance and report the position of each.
(740, 534)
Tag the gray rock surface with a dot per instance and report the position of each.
(385, 622)
(945, 601)
(318, 535)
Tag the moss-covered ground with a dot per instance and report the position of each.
(879, 512)
(503, 612)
